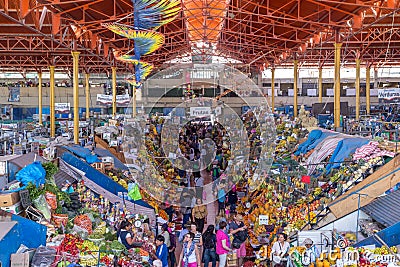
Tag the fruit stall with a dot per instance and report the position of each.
(80, 221)
(295, 193)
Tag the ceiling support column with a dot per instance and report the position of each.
(52, 104)
(273, 89)
(87, 95)
(295, 80)
(75, 61)
(40, 97)
(320, 84)
(338, 47)
(114, 91)
(368, 89)
(358, 62)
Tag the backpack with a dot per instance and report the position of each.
(172, 239)
(209, 241)
(240, 236)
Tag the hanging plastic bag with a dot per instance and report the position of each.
(134, 193)
(41, 204)
(44, 257)
(34, 173)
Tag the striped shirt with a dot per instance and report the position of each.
(197, 238)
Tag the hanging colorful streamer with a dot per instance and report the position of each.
(152, 14)
(142, 69)
(149, 15)
(146, 41)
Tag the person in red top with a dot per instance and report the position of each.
(222, 247)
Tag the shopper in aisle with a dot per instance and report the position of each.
(221, 199)
(222, 245)
(232, 199)
(199, 214)
(165, 234)
(172, 249)
(190, 256)
(280, 251)
(125, 235)
(186, 205)
(197, 235)
(162, 250)
(239, 232)
(210, 242)
(184, 232)
(199, 183)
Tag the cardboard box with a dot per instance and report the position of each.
(8, 199)
(232, 263)
(20, 260)
(14, 209)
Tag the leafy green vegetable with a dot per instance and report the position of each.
(34, 192)
(117, 245)
(51, 169)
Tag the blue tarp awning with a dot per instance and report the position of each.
(390, 235)
(21, 234)
(99, 178)
(303, 147)
(314, 138)
(83, 153)
(344, 149)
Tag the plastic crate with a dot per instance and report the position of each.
(25, 198)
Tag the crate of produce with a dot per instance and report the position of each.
(59, 219)
(8, 199)
(14, 209)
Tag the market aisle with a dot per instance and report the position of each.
(211, 206)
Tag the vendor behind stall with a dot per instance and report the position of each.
(125, 236)
(311, 254)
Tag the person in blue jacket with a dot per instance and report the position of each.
(162, 250)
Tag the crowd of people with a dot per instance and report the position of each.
(201, 242)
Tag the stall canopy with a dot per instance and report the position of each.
(344, 149)
(390, 235)
(314, 138)
(26, 159)
(83, 153)
(65, 173)
(371, 187)
(324, 149)
(99, 178)
(378, 209)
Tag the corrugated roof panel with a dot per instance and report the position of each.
(27, 159)
(60, 178)
(385, 210)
